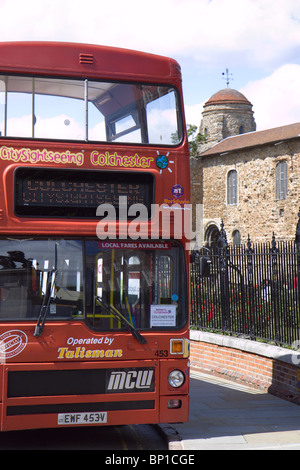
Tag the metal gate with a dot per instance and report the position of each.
(250, 290)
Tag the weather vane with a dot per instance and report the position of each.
(228, 76)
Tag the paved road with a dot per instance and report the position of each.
(123, 438)
(224, 415)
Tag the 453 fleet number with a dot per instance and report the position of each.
(161, 353)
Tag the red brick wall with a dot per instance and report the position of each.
(275, 376)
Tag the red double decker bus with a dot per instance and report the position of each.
(93, 289)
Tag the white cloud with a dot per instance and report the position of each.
(248, 31)
(60, 127)
(239, 34)
(276, 98)
(193, 114)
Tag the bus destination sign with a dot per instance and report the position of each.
(77, 193)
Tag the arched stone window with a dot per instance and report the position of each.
(281, 180)
(211, 237)
(236, 237)
(232, 187)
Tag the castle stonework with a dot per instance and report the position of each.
(248, 179)
(226, 113)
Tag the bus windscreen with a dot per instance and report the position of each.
(92, 280)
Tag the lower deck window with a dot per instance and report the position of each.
(91, 280)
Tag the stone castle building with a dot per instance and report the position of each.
(225, 114)
(248, 179)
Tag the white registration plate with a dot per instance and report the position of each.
(97, 417)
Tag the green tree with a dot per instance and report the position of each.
(194, 139)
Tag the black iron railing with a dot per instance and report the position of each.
(251, 290)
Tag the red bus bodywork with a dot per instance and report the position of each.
(72, 374)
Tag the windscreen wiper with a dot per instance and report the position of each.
(47, 298)
(115, 312)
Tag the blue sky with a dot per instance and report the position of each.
(257, 40)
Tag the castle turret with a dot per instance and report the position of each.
(227, 113)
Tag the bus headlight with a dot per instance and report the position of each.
(176, 378)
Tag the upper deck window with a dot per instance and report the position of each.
(55, 108)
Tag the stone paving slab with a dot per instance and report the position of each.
(229, 416)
